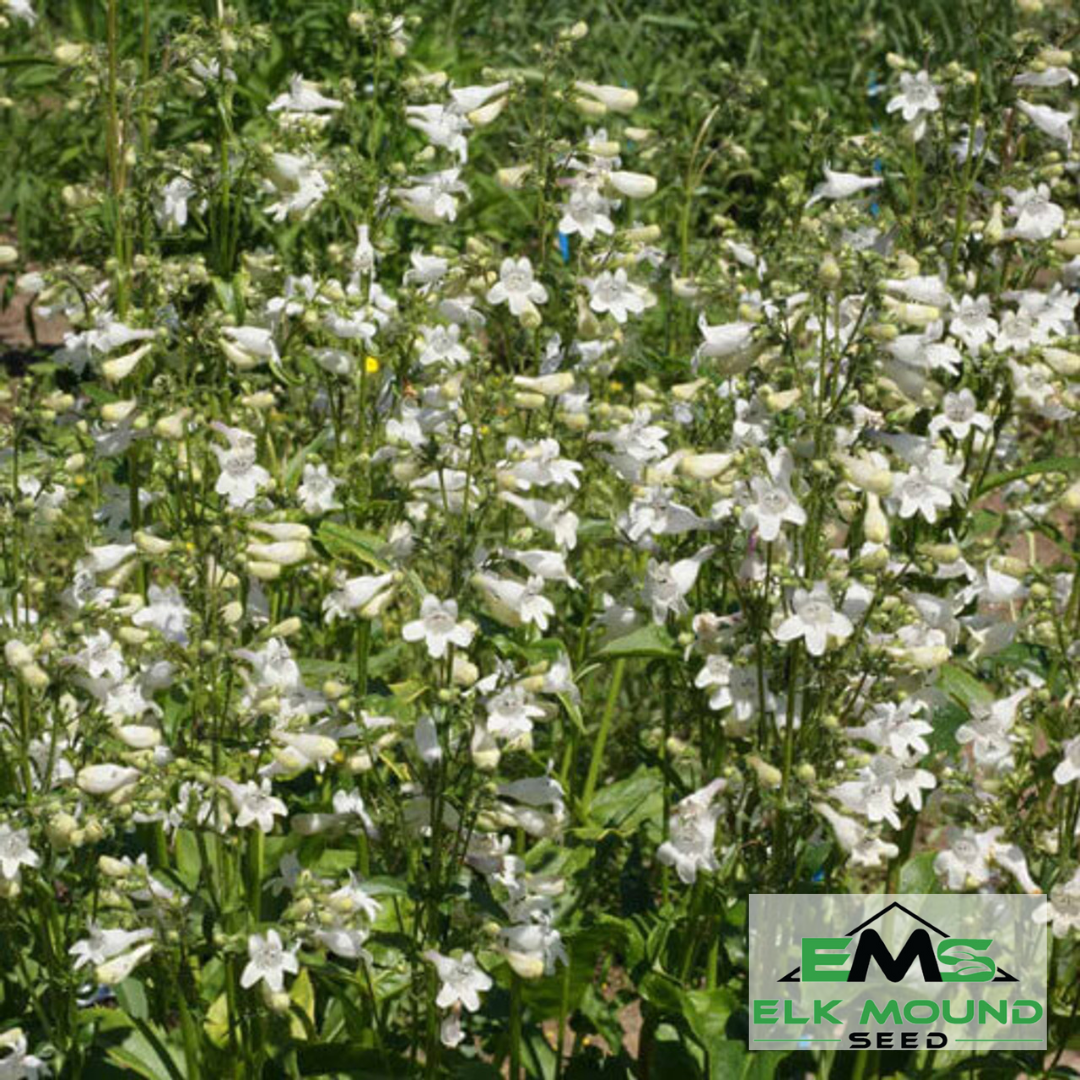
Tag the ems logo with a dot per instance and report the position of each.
(897, 972)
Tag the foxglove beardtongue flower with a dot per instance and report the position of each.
(1068, 770)
(15, 852)
(1062, 909)
(516, 287)
(814, 618)
(773, 503)
(254, 804)
(268, 962)
(842, 185)
(438, 627)
(15, 1061)
(691, 845)
(463, 980)
(918, 97)
(614, 294)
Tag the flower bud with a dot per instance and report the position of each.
(632, 184)
(119, 367)
(616, 98)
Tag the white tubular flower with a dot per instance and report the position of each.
(268, 962)
(1068, 768)
(1049, 121)
(842, 185)
(116, 970)
(253, 803)
(815, 619)
(1062, 909)
(516, 287)
(690, 847)
(102, 945)
(15, 852)
(462, 980)
(438, 627)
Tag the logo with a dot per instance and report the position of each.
(897, 972)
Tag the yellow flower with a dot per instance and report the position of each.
(371, 365)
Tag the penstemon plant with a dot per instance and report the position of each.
(477, 527)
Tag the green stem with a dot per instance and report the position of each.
(602, 736)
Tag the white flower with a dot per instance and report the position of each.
(928, 488)
(462, 980)
(1037, 217)
(1062, 909)
(972, 322)
(774, 504)
(17, 1064)
(534, 948)
(966, 861)
(254, 804)
(299, 183)
(989, 731)
(166, 612)
(431, 199)
(510, 712)
(516, 287)
(21, 9)
(316, 491)
(1049, 121)
(442, 126)
(516, 603)
(966, 864)
(917, 97)
(586, 213)
(614, 294)
(959, 414)
(666, 584)
(1051, 76)
(117, 969)
(15, 852)
(863, 848)
(691, 842)
(724, 339)
(553, 517)
(100, 658)
(842, 185)
(268, 961)
(102, 945)
(344, 941)
(302, 97)
(815, 619)
(241, 477)
(442, 345)
(894, 728)
(1068, 768)
(172, 206)
(438, 627)
(366, 596)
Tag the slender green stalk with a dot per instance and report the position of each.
(597, 759)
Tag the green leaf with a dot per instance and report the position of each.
(963, 687)
(341, 540)
(145, 1053)
(629, 803)
(302, 996)
(651, 641)
(917, 874)
(1047, 465)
